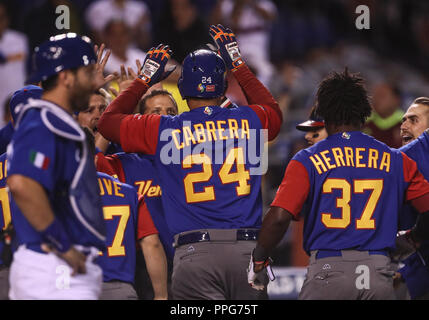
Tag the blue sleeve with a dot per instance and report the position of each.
(33, 153)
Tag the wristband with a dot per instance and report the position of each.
(56, 235)
(260, 255)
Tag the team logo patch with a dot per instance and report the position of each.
(345, 135)
(208, 111)
(210, 88)
(201, 88)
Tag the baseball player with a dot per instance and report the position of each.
(353, 187)
(137, 170)
(127, 220)
(415, 138)
(211, 200)
(314, 129)
(52, 178)
(18, 99)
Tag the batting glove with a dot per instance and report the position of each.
(258, 279)
(405, 246)
(227, 46)
(154, 64)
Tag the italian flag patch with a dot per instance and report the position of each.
(39, 160)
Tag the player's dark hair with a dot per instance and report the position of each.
(342, 99)
(422, 100)
(50, 83)
(154, 93)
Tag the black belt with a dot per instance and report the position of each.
(204, 236)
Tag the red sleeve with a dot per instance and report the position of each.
(293, 190)
(109, 123)
(139, 133)
(261, 101)
(145, 225)
(418, 186)
(110, 165)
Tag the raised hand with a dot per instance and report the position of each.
(153, 68)
(227, 46)
(99, 79)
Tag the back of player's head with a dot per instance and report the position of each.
(343, 100)
(67, 51)
(203, 75)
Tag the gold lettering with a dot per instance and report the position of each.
(210, 125)
(359, 157)
(117, 188)
(188, 136)
(176, 140)
(349, 156)
(245, 129)
(108, 185)
(141, 185)
(372, 158)
(327, 160)
(385, 162)
(339, 157)
(199, 132)
(318, 164)
(100, 184)
(233, 128)
(220, 129)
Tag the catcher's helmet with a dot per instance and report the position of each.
(61, 52)
(203, 75)
(20, 97)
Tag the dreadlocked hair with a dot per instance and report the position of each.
(343, 100)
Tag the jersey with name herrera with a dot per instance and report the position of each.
(138, 171)
(127, 220)
(5, 216)
(353, 187)
(204, 162)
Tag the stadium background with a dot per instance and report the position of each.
(305, 40)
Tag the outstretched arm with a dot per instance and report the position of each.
(261, 100)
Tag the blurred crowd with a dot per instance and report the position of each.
(290, 45)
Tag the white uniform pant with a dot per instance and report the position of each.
(35, 275)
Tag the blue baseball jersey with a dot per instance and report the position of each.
(5, 216)
(52, 160)
(353, 187)
(209, 164)
(416, 272)
(138, 171)
(122, 211)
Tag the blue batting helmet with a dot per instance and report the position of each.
(203, 75)
(61, 52)
(20, 98)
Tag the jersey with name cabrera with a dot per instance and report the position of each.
(127, 220)
(50, 148)
(138, 171)
(208, 160)
(353, 187)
